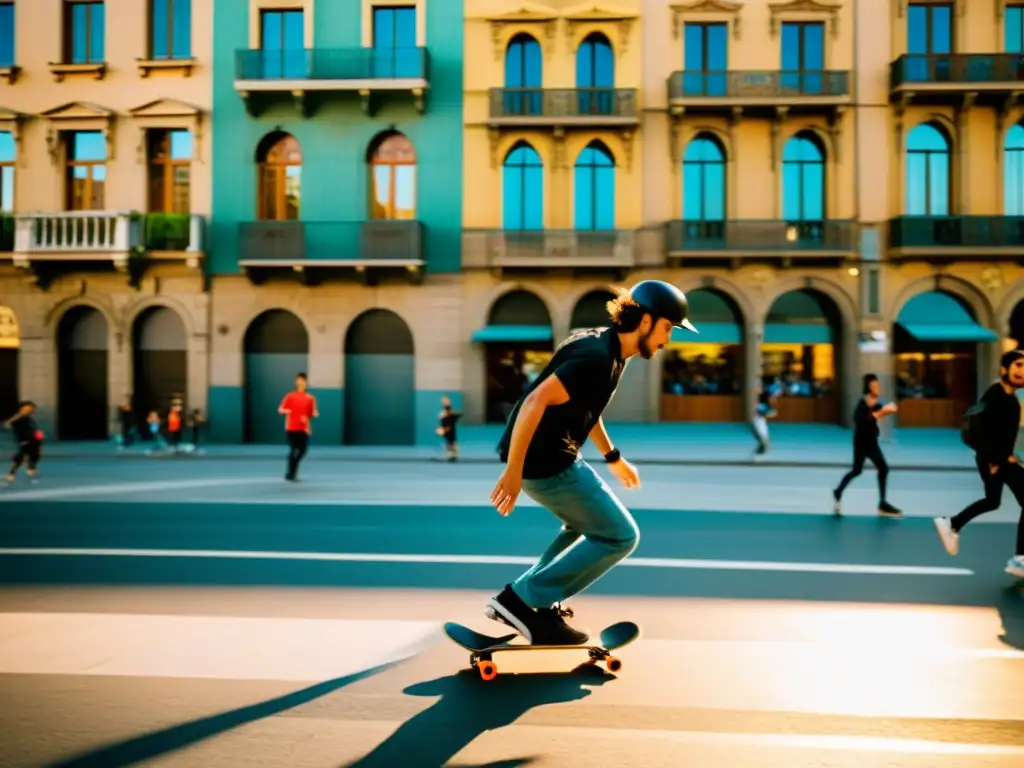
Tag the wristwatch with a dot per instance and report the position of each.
(612, 456)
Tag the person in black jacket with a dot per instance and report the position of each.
(994, 456)
(28, 437)
(865, 445)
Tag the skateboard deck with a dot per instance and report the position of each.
(483, 647)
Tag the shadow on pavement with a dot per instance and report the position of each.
(1011, 611)
(468, 707)
(149, 746)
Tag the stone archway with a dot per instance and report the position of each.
(83, 399)
(276, 349)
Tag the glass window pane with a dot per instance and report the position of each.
(604, 65)
(1013, 182)
(790, 47)
(813, 58)
(273, 31)
(791, 191)
(88, 145)
(714, 191)
(97, 32)
(916, 182)
(181, 145)
(942, 29)
(79, 34)
(157, 185)
(693, 47)
(533, 197)
(98, 187)
(585, 65)
(182, 189)
(7, 35)
(158, 14)
(1013, 38)
(532, 66)
(514, 65)
(182, 29)
(381, 201)
(294, 31)
(604, 208)
(7, 149)
(512, 197)
(583, 181)
(938, 184)
(293, 191)
(917, 29)
(383, 28)
(693, 197)
(405, 27)
(717, 50)
(7, 189)
(405, 191)
(813, 192)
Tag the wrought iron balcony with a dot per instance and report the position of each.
(560, 106)
(566, 248)
(333, 65)
(753, 237)
(330, 243)
(954, 71)
(763, 87)
(981, 235)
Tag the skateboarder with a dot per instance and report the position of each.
(29, 439)
(540, 449)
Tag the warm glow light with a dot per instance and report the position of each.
(791, 234)
(853, 271)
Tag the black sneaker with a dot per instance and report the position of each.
(508, 608)
(551, 628)
(885, 509)
(837, 506)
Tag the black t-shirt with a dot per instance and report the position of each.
(865, 425)
(589, 364)
(1000, 423)
(447, 423)
(24, 429)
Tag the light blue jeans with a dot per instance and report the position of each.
(598, 532)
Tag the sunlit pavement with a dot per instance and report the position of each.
(280, 625)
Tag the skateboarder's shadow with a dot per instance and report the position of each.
(1011, 611)
(468, 707)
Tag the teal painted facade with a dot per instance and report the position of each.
(227, 409)
(335, 137)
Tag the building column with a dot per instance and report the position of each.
(753, 334)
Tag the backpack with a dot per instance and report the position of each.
(970, 426)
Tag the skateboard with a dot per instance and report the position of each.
(483, 647)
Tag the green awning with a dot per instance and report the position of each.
(709, 333)
(937, 316)
(513, 333)
(797, 333)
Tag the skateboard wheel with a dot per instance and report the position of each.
(488, 670)
(614, 664)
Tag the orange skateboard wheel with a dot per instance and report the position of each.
(614, 664)
(488, 670)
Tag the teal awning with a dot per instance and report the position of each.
(513, 333)
(797, 333)
(709, 333)
(937, 316)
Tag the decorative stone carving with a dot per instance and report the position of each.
(803, 6)
(992, 279)
(699, 7)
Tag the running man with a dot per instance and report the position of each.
(865, 445)
(540, 449)
(28, 437)
(299, 409)
(998, 427)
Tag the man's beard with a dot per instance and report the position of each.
(645, 346)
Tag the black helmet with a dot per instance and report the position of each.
(663, 299)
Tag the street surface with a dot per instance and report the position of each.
(206, 613)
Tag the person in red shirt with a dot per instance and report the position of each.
(299, 409)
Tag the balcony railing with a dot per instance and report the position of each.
(333, 64)
(173, 232)
(298, 242)
(765, 235)
(750, 84)
(536, 103)
(549, 247)
(954, 68)
(99, 232)
(957, 232)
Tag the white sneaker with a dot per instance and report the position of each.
(950, 538)
(1015, 566)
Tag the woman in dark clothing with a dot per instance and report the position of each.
(28, 437)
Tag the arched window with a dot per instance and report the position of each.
(803, 179)
(595, 75)
(594, 187)
(279, 158)
(704, 180)
(523, 76)
(1013, 172)
(927, 171)
(522, 179)
(393, 178)
(8, 156)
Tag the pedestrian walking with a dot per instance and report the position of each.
(446, 428)
(541, 451)
(299, 409)
(175, 423)
(865, 445)
(991, 429)
(29, 439)
(196, 421)
(126, 414)
(155, 425)
(759, 423)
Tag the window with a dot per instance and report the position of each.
(393, 179)
(522, 181)
(86, 153)
(803, 187)
(523, 72)
(929, 42)
(170, 169)
(803, 57)
(394, 42)
(595, 76)
(705, 59)
(927, 172)
(170, 29)
(6, 34)
(1014, 29)
(704, 180)
(282, 39)
(8, 156)
(594, 187)
(279, 160)
(1013, 172)
(83, 33)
